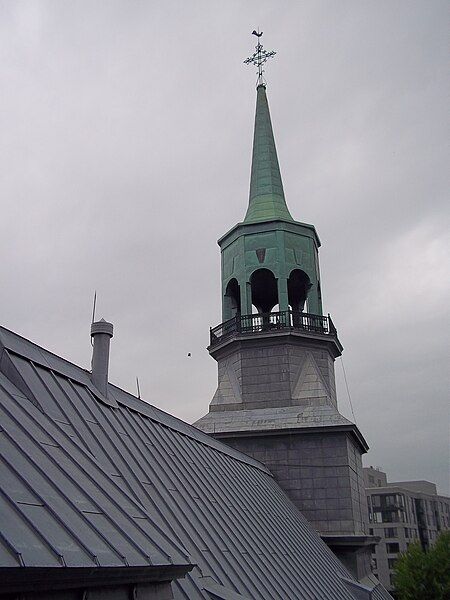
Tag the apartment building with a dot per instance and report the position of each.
(401, 512)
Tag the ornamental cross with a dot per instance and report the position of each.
(259, 57)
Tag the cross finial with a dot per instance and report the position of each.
(259, 57)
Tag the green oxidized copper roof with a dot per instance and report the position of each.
(266, 200)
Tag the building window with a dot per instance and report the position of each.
(369, 508)
(391, 562)
(390, 532)
(392, 516)
(377, 517)
(371, 479)
(392, 548)
(370, 531)
(386, 508)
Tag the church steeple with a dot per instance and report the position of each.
(275, 349)
(270, 261)
(266, 201)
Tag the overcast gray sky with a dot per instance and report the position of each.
(125, 147)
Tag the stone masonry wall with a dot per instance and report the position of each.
(276, 374)
(320, 472)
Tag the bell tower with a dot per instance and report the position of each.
(276, 394)
(269, 260)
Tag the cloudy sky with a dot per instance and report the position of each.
(126, 129)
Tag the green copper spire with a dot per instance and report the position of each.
(266, 200)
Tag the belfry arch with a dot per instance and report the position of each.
(298, 286)
(264, 290)
(232, 299)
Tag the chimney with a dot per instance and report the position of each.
(101, 334)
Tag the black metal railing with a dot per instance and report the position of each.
(275, 321)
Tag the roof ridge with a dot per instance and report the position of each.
(160, 416)
(18, 335)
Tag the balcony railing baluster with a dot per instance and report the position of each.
(257, 323)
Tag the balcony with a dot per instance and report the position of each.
(287, 320)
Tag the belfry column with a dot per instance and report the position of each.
(283, 294)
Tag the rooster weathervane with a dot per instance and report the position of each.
(259, 58)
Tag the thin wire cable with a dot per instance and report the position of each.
(348, 390)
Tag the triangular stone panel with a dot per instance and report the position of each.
(310, 383)
(228, 390)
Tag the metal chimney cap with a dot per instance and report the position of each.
(102, 326)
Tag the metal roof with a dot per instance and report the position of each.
(88, 482)
(266, 201)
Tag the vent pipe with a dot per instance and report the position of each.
(101, 334)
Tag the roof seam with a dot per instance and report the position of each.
(95, 503)
(68, 500)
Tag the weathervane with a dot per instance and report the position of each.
(259, 57)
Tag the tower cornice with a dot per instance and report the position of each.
(350, 428)
(270, 225)
(240, 340)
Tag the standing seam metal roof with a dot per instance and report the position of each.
(87, 484)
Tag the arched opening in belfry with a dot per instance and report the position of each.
(232, 299)
(264, 290)
(298, 286)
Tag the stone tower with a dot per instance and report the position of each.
(276, 394)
